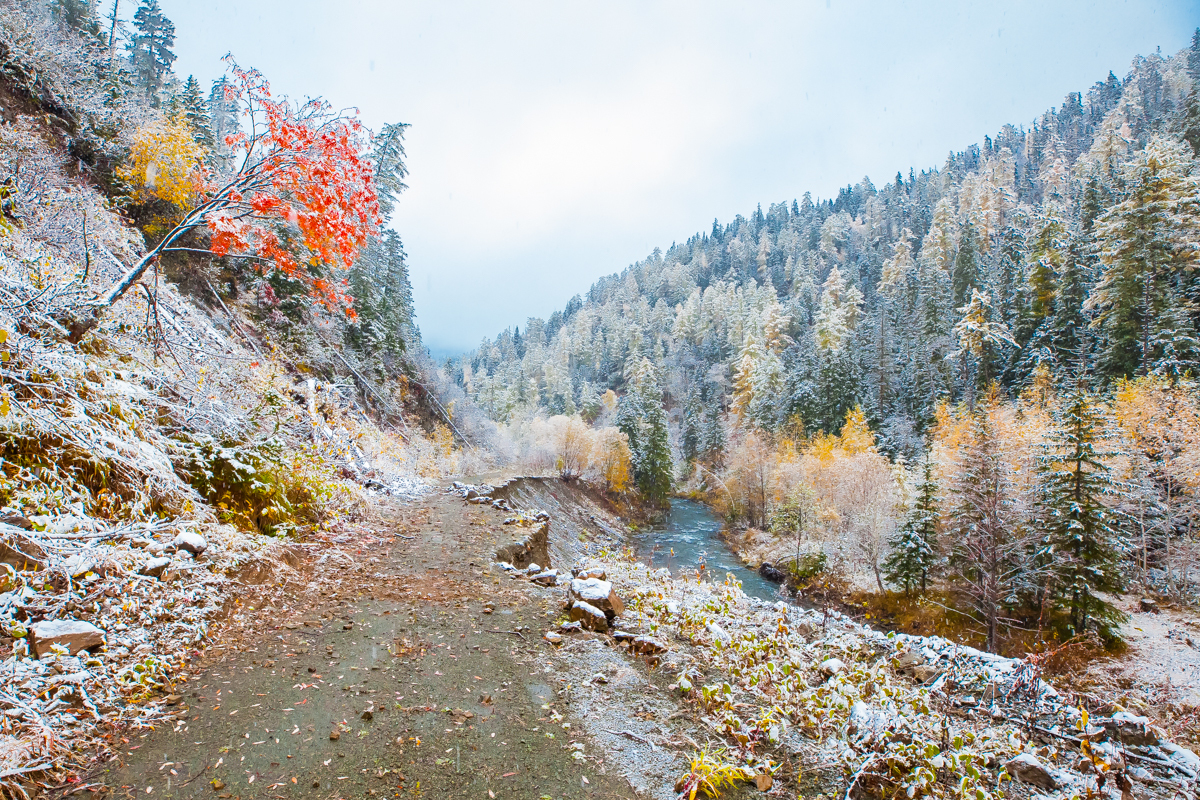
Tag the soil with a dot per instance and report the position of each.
(383, 676)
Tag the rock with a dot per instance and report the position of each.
(334, 736)
(552, 637)
(533, 569)
(570, 627)
(591, 572)
(909, 659)
(648, 646)
(8, 578)
(923, 673)
(190, 541)
(589, 616)
(1148, 605)
(73, 634)
(217, 784)
(547, 578)
(1129, 729)
(368, 715)
(831, 666)
(1028, 769)
(19, 551)
(597, 593)
(155, 567)
(772, 572)
(763, 781)
(599, 677)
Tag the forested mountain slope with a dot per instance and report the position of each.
(811, 307)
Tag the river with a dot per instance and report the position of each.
(689, 539)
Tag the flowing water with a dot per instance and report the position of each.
(689, 539)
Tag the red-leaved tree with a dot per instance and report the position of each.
(300, 171)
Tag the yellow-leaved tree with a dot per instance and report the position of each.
(165, 163)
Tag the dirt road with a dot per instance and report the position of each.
(382, 677)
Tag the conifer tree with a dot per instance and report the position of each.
(150, 51)
(1081, 541)
(987, 544)
(642, 418)
(1146, 243)
(914, 544)
(194, 108)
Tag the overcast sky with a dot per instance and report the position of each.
(555, 142)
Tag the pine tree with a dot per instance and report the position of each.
(150, 49)
(1080, 539)
(914, 544)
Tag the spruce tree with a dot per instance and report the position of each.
(1081, 542)
(642, 418)
(195, 110)
(150, 49)
(914, 545)
(1145, 242)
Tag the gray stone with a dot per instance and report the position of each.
(1028, 769)
(155, 567)
(190, 541)
(73, 634)
(1129, 729)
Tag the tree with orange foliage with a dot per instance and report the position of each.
(302, 173)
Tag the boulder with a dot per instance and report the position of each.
(547, 578)
(190, 541)
(1129, 729)
(588, 616)
(1148, 605)
(1028, 769)
(771, 572)
(155, 567)
(73, 634)
(597, 593)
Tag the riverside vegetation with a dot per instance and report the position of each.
(970, 390)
